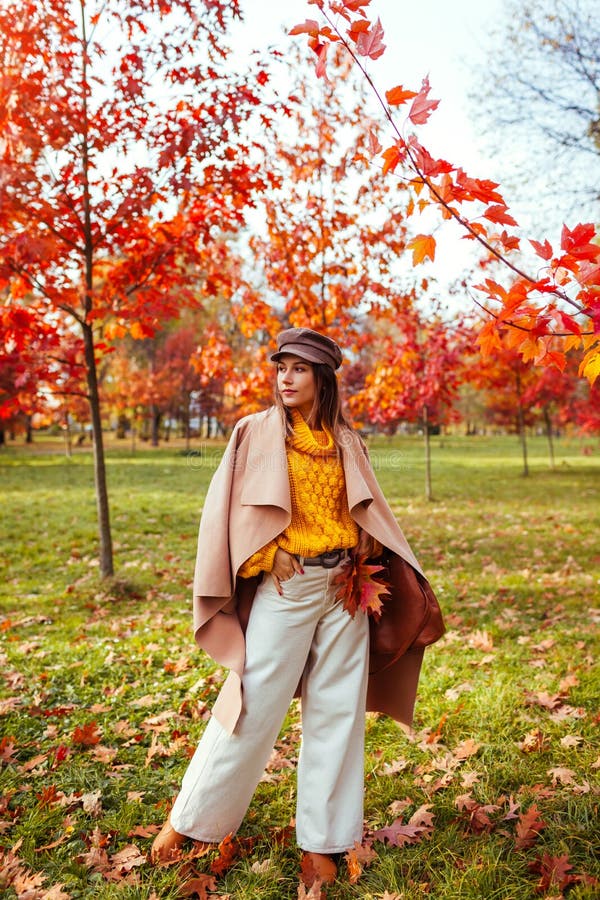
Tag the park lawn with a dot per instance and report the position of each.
(103, 695)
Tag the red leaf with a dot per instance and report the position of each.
(358, 589)
(374, 143)
(498, 213)
(554, 871)
(421, 107)
(528, 828)
(544, 250)
(370, 43)
(578, 242)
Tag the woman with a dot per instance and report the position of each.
(293, 498)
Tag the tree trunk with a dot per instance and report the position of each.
(106, 553)
(28, 431)
(68, 438)
(521, 426)
(2, 437)
(428, 490)
(548, 423)
(187, 429)
(155, 417)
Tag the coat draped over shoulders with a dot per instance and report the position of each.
(247, 505)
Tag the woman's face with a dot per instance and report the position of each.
(296, 383)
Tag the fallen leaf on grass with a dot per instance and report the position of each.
(86, 736)
(259, 868)
(420, 825)
(314, 893)
(229, 850)
(554, 871)
(92, 803)
(477, 814)
(466, 748)
(561, 775)
(360, 856)
(392, 768)
(198, 886)
(571, 740)
(528, 829)
(533, 742)
(543, 699)
(481, 640)
(124, 861)
(144, 831)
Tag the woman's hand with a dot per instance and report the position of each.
(285, 565)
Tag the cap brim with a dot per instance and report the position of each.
(303, 353)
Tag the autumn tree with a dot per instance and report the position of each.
(541, 91)
(552, 307)
(122, 159)
(505, 380)
(551, 395)
(415, 376)
(335, 227)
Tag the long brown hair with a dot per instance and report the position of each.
(326, 410)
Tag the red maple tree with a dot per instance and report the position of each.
(123, 157)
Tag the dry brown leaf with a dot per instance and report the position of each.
(466, 748)
(533, 742)
(92, 803)
(561, 775)
(571, 740)
(261, 867)
(198, 886)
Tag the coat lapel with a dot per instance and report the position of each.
(266, 481)
(354, 460)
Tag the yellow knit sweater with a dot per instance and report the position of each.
(321, 520)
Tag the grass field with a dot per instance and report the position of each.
(103, 695)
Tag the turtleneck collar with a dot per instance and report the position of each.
(309, 441)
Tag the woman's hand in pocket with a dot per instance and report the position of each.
(285, 566)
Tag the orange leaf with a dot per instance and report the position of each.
(393, 156)
(86, 736)
(310, 26)
(398, 95)
(422, 246)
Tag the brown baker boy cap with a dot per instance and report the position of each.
(309, 345)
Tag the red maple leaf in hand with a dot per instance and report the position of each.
(358, 589)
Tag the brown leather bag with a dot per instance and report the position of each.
(411, 618)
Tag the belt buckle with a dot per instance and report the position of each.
(330, 559)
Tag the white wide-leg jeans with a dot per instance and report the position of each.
(304, 634)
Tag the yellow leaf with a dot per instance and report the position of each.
(590, 365)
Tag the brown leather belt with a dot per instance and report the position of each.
(328, 560)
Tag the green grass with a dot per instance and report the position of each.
(516, 564)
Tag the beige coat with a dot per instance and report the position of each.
(247, 505)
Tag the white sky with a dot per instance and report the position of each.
(437, 38)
